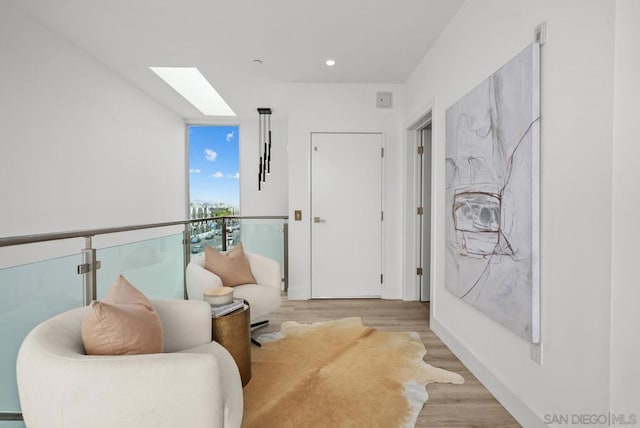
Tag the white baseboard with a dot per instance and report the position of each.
(519, 410)
(303, 293)
(298, 294)
(392, 293)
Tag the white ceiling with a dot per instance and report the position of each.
(377, 41)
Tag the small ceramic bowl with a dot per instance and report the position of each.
(218, 296)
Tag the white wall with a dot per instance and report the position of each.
(79, 147)
(342, 108)
(625, 293)
(576, 178)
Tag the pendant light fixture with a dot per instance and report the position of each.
(264, 145)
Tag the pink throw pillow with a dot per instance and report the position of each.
(232, 267)
(123, 323)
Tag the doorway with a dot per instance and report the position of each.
(418, 209)
(423, 211)
(346, 215)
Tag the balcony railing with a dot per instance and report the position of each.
(37, 291)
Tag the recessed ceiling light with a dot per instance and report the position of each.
(330, 62)
(257, 61)
(192, 85)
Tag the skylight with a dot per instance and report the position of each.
(192, 85)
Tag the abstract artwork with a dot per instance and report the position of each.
(492, 195)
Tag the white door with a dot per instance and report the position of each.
(346, 215)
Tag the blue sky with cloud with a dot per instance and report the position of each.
(214, 164)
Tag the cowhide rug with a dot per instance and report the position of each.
(338, 374)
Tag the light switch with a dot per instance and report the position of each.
(297, 215)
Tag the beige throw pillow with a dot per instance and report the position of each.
(232, 267)
(123, 323)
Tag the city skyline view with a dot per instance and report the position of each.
(214, 176)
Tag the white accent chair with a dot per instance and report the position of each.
(263, 297)
(194, 383)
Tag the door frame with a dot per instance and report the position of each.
(383, 238)
(411, 281)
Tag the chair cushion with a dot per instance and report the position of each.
(263, 299)
(123, 323)
(232, 267)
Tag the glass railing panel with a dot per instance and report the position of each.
(234, 227)
(154, 266)
(264, 237)
(210, 233)
(260, 236)
(206, 233)
(31, 294)
(12, 424)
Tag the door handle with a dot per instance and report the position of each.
(319, 220)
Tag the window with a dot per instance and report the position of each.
(214, 179)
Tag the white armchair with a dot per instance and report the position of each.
(264, 297)
(194, 383)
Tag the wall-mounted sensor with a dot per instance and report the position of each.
(384, 99)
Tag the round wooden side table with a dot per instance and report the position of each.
(233, 332)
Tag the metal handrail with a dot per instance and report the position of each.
(43, 237)
(89, 266)
(11, 416)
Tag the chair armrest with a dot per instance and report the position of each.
(159, 390)
(200, 279)
(185, 323)
(266, 271)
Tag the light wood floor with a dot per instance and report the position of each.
(467, 405)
